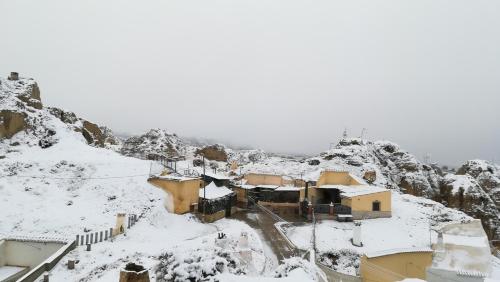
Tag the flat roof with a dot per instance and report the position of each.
(397, 251)
(463, 240)
(41, 239)
(267, 186)
(288, 188)
(217, 176)
(175, 177)
(245, 186)
(264, 173)
(355, 190)
(8, 271)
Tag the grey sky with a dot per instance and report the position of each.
(285, 75)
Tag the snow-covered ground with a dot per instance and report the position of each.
(70, 187)
(410, 226)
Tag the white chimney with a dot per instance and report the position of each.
(243, 241)
(356, 236)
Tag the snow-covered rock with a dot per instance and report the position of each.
(155, 142)
(24, 119)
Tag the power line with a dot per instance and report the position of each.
(68, 178)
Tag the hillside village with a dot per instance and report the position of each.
(80, 204)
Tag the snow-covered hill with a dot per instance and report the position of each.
(55, 181)
(399, 170)
(61, 175)
(155, 141)
(25, 120)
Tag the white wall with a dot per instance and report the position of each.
(28, 253)
(2, 253)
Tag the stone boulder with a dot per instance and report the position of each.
(213, 152)
(92, 134)
(313, 162)
(64, 116)
(11, 123)
(370, 176)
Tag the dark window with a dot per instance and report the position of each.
(376, 206)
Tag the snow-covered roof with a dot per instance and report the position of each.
(268, 186)
(336, 169)
(213, 191)
(217, 176)
(246, 186)
(288, 188)
(469, 273)
(355, 190)
(175, 177)
(464, 248)
(397, 251)
(43, 239)
(472, 241)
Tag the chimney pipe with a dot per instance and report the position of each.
(306, 191)
(356, 236)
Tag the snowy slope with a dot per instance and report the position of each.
(68, 188)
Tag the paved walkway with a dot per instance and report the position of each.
(265, 224)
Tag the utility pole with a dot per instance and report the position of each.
(204, 189)
(331, 145)
(241, 181)
(427, 158)
(363, 132)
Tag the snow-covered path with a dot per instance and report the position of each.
(264, 225)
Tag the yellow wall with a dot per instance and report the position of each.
(263, 179)
(364, 202)
(336, 178)
(311, 194)
(395, 267)
(184, 193)
(213, 217)
(241, 194)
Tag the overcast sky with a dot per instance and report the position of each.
(284, 76)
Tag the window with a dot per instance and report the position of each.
(376, 206)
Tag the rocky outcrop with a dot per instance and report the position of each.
(155, 141)
(92, 134)
(31, 97)
(313, 162)
(400, 169)
(475, 189)
(64, 116)
(11, 123)
(109, 138)
(486, 174)
(23, 111)
(213, 152)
